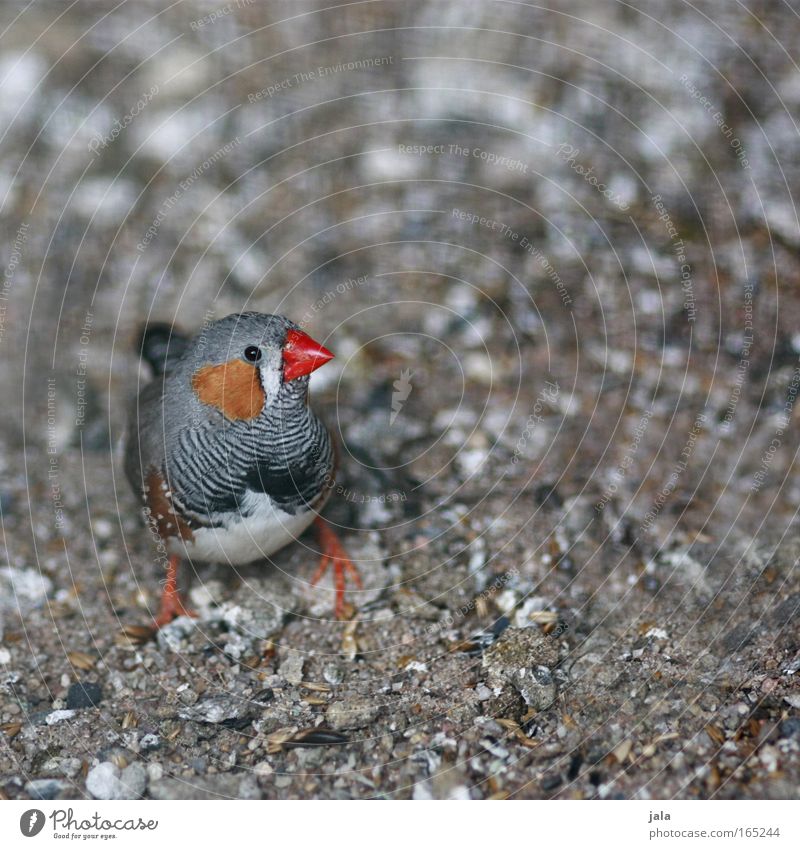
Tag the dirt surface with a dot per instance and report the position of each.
(556, 254)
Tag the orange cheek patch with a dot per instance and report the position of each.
(233, 388)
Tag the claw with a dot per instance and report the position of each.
(343, 567)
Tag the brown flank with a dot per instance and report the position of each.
(233, 388)
(160, 510)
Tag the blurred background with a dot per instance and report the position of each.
(555, 250)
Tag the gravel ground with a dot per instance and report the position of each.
(557, 256)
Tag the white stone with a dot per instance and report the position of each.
(59, 715)
(105, 781)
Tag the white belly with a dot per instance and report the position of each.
(249, 538)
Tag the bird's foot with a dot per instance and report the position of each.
(333, 552)
(172, 605)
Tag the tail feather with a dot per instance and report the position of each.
(160, 345)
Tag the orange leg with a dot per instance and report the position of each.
(343, 567)
(171, 603)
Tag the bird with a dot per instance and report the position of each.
(228, 458)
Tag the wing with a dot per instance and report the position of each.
(160, 345)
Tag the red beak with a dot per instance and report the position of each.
(302, 355)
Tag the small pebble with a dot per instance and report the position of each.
(155, 772)
(102, 528)
(292, 668)
(46, 788)
(623, 750)
(149, 742)
(107, 781)
(84, 695)
(355, 714)
(333, 673)
(217, 709)
(59, 716)
(550, 782)
(789, 727)
(483, 692)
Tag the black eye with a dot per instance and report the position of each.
(252, 354)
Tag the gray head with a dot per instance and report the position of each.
(245, 361)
